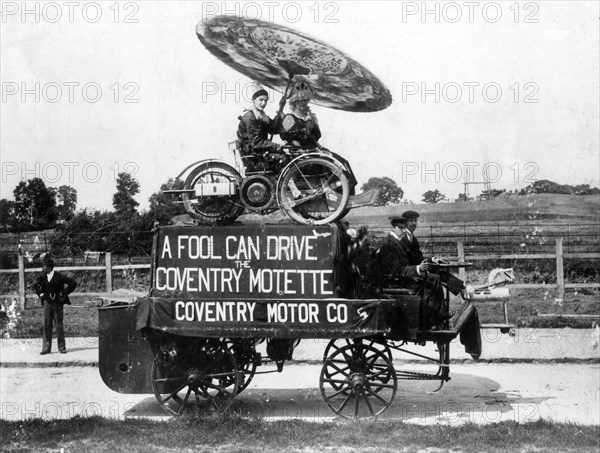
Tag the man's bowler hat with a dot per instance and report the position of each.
(408, 215)
(397, 219)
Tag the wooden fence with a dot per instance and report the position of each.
(108, 268)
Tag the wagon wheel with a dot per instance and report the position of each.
(213, 209)
(358, 380)
(338, 343)
(313, 191)
(182, 383)
(244, 352)
(377, 343)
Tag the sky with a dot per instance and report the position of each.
(507, 89)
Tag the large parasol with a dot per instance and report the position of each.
(271, 54)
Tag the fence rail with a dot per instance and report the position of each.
(108, 268)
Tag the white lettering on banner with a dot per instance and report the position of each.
(242, 248)
(337, 313)
(214, 311)
(166, 248)
(293, 312)
(290, 281)
(196, 279)
(195, 247)
(288, 248)
(227, 280)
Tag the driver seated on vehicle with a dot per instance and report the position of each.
(403, 264)
(300, 127)
(253, 131)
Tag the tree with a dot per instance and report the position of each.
(462, 197)
(67, 202)
(433, 196)
(389, 192)
(127, 187)
(492, 193)
(35, 205)
(162, 208)
(7, 208)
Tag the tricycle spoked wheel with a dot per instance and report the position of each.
(187, 382)
(244, 352)
(313, 191)
(358, 381)
(216, 201)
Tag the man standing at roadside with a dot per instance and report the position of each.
(53, 289)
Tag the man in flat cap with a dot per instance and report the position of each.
(401, 256)
(413, 249)
(54, 289)
(402, 263)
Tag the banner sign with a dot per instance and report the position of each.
(283, 261)
(283, 318)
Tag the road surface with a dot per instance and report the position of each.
(478, 393)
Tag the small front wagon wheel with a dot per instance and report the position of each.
(358, 381)
(186, 387)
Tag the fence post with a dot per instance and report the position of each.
(560, 275)
(108, 259)
(21, 281)
(462, 274)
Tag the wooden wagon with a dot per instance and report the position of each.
(219, 292)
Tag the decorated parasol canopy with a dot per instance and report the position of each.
(270, 54)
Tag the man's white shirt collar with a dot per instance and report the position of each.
(50, 275)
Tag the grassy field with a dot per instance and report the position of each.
(507, 224)
(228, 433)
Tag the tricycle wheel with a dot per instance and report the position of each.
(185, 381)
(213, 209)
(358, 381)
(313, 191)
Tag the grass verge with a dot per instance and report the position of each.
(232, 433)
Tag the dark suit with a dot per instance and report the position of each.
(396, 260)
(54, 294)
(400, 258)
(413, 250)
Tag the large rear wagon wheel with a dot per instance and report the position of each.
(213, 209)
(206, 378)
(313, 191)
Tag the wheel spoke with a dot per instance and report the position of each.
(377, 396)
(185, 400)
(173, 394)
(367, 402)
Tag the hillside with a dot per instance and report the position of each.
(506, 208)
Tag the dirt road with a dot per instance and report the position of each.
(478, 393)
